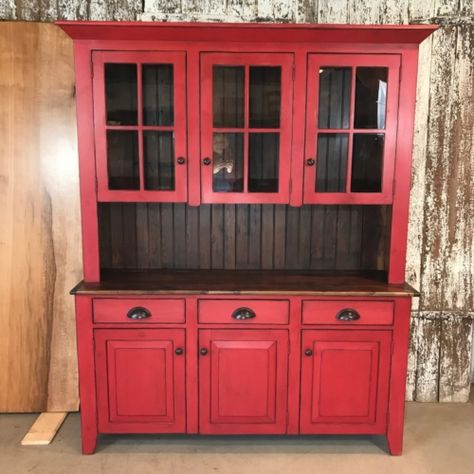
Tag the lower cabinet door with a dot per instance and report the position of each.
(344, 381)
(140, 380)
(243, 381)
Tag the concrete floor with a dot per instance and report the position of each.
(438, 439)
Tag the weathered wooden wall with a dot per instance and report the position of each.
(39, 215)
(441, 235)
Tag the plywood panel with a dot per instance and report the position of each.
(40, 238)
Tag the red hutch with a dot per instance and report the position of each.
(244, 194)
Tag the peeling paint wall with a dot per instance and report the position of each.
(441, 228)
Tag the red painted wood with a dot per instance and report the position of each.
(86, 365)
(140, 380)
(266, 311)
(85, 137)
(177, 59)
(315, 62)
(325, 312)
(243, 381)
(294, 367)
(252, 33)
(207, 129)
(299, 131)
(399, 228)
(110, 310)
(345, 382)
(398, 373)
(192, 394)
(194, 135)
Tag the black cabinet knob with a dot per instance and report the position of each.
(308, 352)
(178, 351)
(138, 313)
(310, 162)
(206, 161)
(348, 314)
(181, 160)
(203, 351)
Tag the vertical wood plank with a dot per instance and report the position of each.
(205, 236)
(40, 243)
(142, 235)
(179, 236)
(267, 237)
(255, 230)
(217, 236)
(229, 236)
(167, 235)
(279, 244)
(154, 228)
(192, 237)
(242, 236)
(455, 357)
(427, 366)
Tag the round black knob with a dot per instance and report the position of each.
(181, 160)
(207, 161)
(178, 351)
(310, 162)
(308, 352)
(203, 351)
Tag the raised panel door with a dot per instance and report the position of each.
(243, 381)
(140, 380)
(344, 381)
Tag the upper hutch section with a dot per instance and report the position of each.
(252, 113)
(246, 114)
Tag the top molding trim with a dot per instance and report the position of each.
(246, 32)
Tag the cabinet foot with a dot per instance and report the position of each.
(89, 444)
(395, 443)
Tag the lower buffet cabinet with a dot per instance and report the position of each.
(239, 377)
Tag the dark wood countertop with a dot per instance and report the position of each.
(243, 282)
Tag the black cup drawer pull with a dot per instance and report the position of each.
(138, 313)
(243, 314)
(348, 314)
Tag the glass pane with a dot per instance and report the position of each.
(334, 97)
(228, 162)
(331, 162)
(122, 159)
(121, 94)
(371, 97)
(158, 155)
(367, 163)
(228, 96)
(158, 94)
(265, 96)
(263, 162)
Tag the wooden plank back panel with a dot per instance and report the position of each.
(228, 236)
(40, 239)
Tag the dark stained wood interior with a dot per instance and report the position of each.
(144, 236)
(260, 282)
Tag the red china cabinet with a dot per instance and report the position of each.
(244, 194)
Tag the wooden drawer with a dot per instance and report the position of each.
(363, 312)
(156, 310)
(244, 311)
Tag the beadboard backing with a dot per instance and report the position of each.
(243, 237)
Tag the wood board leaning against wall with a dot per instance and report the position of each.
(441, 235)
(39, 212)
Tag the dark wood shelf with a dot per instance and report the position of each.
(243, 282)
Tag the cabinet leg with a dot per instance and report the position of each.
(395, 442)
(89, 442)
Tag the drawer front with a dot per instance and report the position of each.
(139, 310)
(244, 311)
(347, 312)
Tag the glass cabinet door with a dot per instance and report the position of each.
(246, 127)
(351, 128)
(139, 112)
